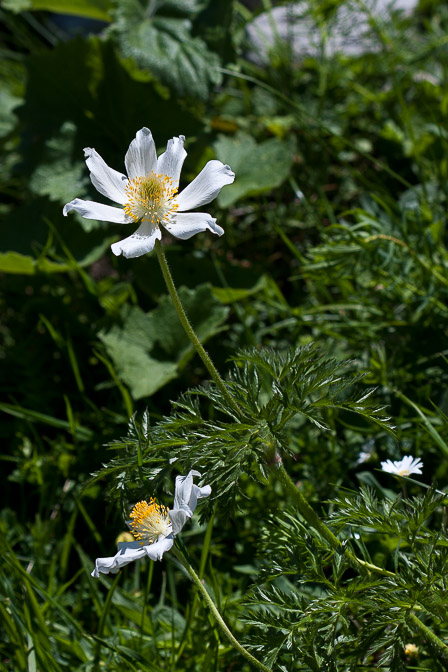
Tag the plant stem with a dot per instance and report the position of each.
(441, 647)
(211, 605)
(305, 509)
(189, 329)
(204, 554)
(313, 519)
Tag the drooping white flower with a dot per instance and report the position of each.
(154, 526)
(404, 467)
(148, 195)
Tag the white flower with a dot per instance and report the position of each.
(404, 467)
(154, 526)
(363, 456)
(149, 194)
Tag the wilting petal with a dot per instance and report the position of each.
(198, 493)
(178, 519)
(141, 242)
(206, 186)
(141, 157)
(127, 553)
(155, 551)
(93, 210)
(170, 162)
(186, 493)
(107, 181)
(185, 225)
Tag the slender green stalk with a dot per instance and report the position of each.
(441, 647)
(313, 519)
(189, 329)
(305, 509)
(204, 555)
(211, 605)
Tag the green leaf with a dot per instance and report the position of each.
(8, 101)
(205, 313)
(258, 167)
(13, 262)
(232, 295)
(142, 373)
(163, 44)
(82, 433)
(90, 9)
(106, 102)
(130, 346)
(57, 176)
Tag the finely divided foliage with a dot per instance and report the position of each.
(310, 607)
(290, 480)
(274, 392)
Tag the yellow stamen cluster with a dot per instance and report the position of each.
(151, 198)
(411, 650)
(150, 521)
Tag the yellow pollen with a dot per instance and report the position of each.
(151, 198)
(149, 521)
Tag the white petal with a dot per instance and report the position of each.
(186, 494)
(411, 465)
(182, 489)
(107, 181)
(141, 157)
(206, 186)
(170, 162)
(198, 493)
(404, 467)
(178, 519)
(141, 242)
(155, 551)
(185, 225)
(388, 466)
(93, 210)
(127, 553)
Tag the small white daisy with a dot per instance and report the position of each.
(148, 195)
(404, 467)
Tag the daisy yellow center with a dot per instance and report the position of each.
(151, 198)
(150, 521)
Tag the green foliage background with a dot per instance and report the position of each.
(325, 304)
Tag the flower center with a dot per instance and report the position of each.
(151, 198)
(150, 521)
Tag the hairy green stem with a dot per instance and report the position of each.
(189, 329)
(305, 509)
(204, 554)
(441, 647)
(313, 519)
(211, 605)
